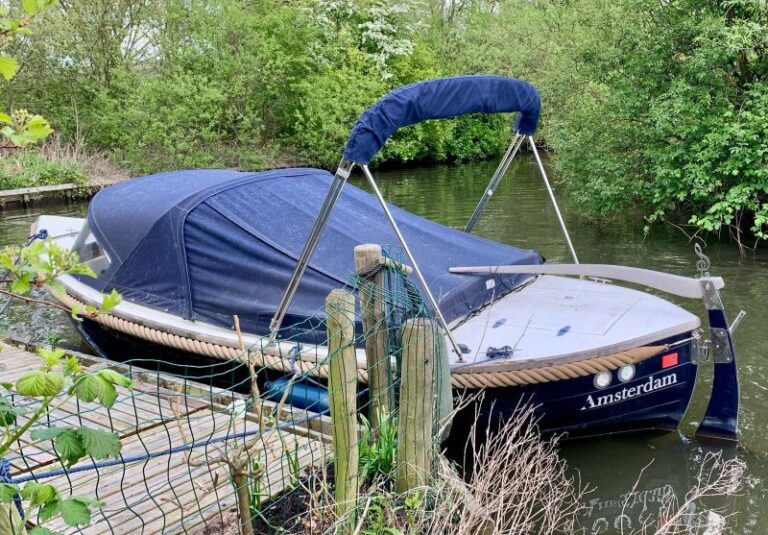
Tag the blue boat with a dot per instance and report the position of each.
(190, 249)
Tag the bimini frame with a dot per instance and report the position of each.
(432, 99)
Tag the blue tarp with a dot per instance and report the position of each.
(207, 244)
(438, 99)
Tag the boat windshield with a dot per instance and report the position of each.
(90, 252)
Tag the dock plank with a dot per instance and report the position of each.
(173, 436)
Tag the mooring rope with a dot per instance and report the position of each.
(32, 476)
(537, 373)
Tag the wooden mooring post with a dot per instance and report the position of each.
(342, 388)
(373, 308)
(415, 437)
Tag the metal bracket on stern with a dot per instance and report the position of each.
(721, 419)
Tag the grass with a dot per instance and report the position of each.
(56, 162)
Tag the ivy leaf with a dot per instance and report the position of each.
(100, 444)
(7, 492)
(115, 378)
(39, 383)
(70, 446)
(8, 67)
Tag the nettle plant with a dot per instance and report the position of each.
(27, 407)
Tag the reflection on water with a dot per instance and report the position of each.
(520, 214)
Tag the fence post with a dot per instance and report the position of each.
(342, 387)
(417, 405)
(373, 309)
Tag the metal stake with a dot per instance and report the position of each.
(554, 201)
(339, 179)
(495, 179)
(412, 260)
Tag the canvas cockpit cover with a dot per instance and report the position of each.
(208, 244)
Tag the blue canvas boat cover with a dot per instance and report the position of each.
(438, 99)
(207, 244)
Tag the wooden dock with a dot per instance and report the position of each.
(173, 432)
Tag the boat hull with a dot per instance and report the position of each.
(655, 399)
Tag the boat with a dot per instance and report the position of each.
(189, 250)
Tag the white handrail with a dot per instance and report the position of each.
(666, 282)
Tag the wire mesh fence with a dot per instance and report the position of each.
(282, 437)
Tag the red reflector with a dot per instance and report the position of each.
(667, 361)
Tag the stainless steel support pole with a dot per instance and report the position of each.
(554, 201)
(495, 180)
(339, 179)
(412, 260)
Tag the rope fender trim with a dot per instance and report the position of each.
(464, 380)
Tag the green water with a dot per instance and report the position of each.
(520, 214)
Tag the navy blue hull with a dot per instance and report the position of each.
(656, 398)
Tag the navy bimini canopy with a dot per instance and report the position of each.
(439, 99)
(207, 244)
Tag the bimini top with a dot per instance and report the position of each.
(207, 244)
(439, 99)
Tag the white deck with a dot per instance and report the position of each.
(560, 319)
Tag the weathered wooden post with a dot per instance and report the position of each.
(415, 438)
(342, 387)
(373, 307)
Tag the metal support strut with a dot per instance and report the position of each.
(339, 179)
(412, 260)
(552, 198)
(495, 180)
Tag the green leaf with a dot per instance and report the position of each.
(70, 446)
(88, 387)
(110, 301)
(5, 118)
(114, 377)
(39, 530)
(7, 492)
(52, 357)
(21, 285)
(30, 7)
(48, 510)
(7, 412)
(47, 433)
(39, 383)
(108, 394)
(8, 67)
(74, 512)
(100, 444)
(39, 493)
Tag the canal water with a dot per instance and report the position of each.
(520, 214)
